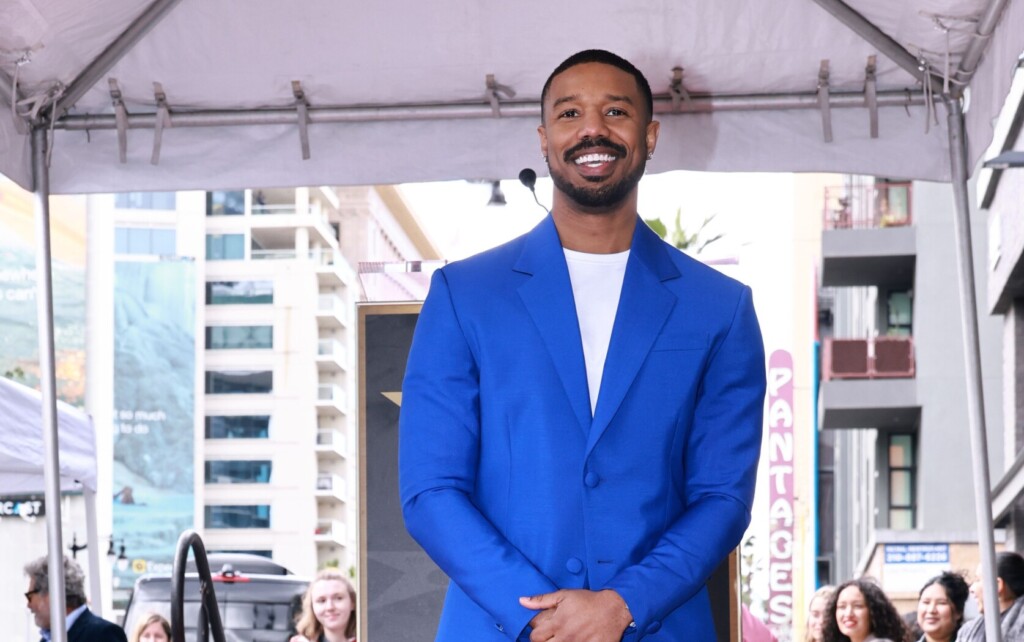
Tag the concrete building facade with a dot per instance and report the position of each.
(895, 468)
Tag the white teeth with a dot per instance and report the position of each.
(594, 159)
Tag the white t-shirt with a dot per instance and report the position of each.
(596, 286)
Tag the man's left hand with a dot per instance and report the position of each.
(574, 615)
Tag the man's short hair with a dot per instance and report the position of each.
(605, 58)
(74, 579)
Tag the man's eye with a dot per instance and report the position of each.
(569, 113)
(615, 111)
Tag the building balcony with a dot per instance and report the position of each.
(330, 532)
(868, 237)
(331, 486)
(331, 356)
(331, 400)
(332, 269)
(869, 384)
(331, 312)
(331, 443)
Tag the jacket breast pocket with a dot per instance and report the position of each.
(673, 341)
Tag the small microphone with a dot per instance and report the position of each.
(528, 178)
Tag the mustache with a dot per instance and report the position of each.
(590, 143)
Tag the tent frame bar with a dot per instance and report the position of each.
(110, 56)
(451, 111)
(5, 89)
(885, 44)
(972, 57)
(972, 364)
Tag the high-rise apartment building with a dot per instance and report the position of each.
(260, 288)
(894, 476)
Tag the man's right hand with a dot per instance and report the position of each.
(574, 615)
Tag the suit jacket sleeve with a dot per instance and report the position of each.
(439, 439)
(721, 466)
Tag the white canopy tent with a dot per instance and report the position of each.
(109, 95)
(22, 457)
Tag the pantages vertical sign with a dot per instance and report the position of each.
(780, 476)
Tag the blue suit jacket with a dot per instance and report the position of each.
(514, 489)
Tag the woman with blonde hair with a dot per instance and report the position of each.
(152, 628)
(328, 609)
(816, 613)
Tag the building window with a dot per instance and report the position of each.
(145, 240)
(146, 200)
(900, 313)
(902, 481)
(238, 337)
(239, 382)
(219, 292)
(238, 427)
(225, 203)
(225, 247)
(256, 516)
(238, 472)
(248, 551)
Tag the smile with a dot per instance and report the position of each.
(594, 160)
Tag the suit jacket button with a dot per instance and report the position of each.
(574, 566)
(499, 627)
(591, 480)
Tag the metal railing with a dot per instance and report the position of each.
(209, 614)
(867, 206)
(879, 358)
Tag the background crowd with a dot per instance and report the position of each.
(859, 611)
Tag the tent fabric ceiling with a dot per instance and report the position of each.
(211, 55)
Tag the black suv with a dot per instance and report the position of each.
(258, 599)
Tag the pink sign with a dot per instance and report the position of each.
(781, 493)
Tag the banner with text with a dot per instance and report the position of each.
(781, 494)
(154, 403)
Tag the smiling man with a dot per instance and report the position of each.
(582, 407)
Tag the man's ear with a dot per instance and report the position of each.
(653, 129)
(543, 134)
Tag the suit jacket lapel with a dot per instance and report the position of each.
(549, 300)
(644, 306)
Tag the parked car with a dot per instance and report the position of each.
(258, 600)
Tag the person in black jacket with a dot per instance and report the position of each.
(83, 625)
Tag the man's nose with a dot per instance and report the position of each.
(593, 125)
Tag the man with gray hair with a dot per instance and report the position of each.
(82, 625)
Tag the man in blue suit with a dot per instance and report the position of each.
(582, 408)
(82, 624)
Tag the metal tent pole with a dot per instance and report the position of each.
(48, 384)
(972, 362)
(93, 552)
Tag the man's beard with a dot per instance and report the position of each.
(599, 196)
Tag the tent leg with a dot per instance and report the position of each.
(48, 384)
(93, 537)
(972, 362)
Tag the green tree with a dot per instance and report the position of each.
(15, 374)
(694, 243)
